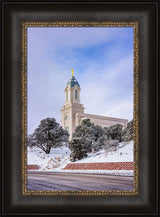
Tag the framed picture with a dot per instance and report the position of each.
(54, 55)
(73, 41)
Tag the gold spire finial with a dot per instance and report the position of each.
(72, 71)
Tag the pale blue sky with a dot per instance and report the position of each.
(103, 62)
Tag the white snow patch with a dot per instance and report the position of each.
(59, 158)
(107, 172)
(112, 172)
(124, 153)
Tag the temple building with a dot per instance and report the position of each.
(72, 113)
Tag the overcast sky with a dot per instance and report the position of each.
(102, 59)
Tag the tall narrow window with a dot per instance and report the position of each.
(75, 94)
(66, 117)
(67, 95)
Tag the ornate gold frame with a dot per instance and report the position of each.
(26, 192)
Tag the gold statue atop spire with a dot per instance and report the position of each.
(72, 71)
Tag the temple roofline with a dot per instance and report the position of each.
(104, 117)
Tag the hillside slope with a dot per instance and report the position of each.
(59, 157)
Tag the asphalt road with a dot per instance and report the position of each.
(50, 181)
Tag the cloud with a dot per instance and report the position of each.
(109, 90)
(64, 37)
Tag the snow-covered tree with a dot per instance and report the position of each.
(114, 132)
(90, 137)
(127, 133)
(31, 141)
(49, 134)
(85, 133)
(78, 149)
(87, 137)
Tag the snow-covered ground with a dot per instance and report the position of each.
(124, 153)
(111, 172)
(56, 158)
(59, 158)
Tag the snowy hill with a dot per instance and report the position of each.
(59, 157)
(55, 159)
(124, 153)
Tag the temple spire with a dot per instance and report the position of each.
(72, 71)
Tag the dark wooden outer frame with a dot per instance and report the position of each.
(14, 14)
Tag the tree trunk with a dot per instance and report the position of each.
(48, 148)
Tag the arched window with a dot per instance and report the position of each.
(75, 94)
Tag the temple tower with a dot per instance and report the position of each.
(72, 110)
